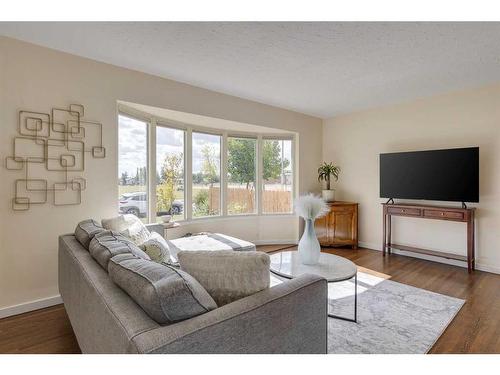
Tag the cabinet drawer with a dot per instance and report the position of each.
(404, 211)
(453, 215)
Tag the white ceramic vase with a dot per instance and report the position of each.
(309, 248)
(328, 195)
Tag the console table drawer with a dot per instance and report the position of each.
(404, 211)
(452, 215)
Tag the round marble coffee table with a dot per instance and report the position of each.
(332, 267)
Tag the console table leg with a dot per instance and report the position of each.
(470, 243)
(389, 235)
(384, 232)
(473, 242)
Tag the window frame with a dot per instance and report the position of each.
(222, 179)
(153, 121)
(163, 124)
(255, 138)
(278, 137)
(147, 121)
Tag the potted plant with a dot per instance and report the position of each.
(309, 207)
(325, 173)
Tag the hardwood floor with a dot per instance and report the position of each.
(42, 331)
(476, 328)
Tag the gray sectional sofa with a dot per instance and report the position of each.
(288, 318)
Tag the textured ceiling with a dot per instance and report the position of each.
(321, 69)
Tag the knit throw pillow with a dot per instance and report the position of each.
(157, 248)
(227, 275)
(128, 225)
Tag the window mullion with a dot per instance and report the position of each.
(223, 175)
(258, 175)
(188, 175)
(152, 171)
(295, 171)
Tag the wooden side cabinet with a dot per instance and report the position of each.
(340, 226)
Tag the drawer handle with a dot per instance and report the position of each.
(442, 213)
(403, 211)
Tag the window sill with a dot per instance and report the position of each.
(229, 217)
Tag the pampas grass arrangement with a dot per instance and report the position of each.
(310, 206)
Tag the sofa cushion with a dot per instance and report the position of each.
(107, 244)
(157, 248)
(86, 230)
(166, 294)
(129, 225)
(227, 275)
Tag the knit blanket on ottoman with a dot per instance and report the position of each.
(207, 242)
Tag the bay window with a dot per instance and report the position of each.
(191, 173)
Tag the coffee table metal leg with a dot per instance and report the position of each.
(356, 298)
(355, 320)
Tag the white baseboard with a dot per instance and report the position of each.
(30, 306)
(276, 242)
(480, 265)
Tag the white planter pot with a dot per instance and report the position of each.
(309, 248)
(328, 195)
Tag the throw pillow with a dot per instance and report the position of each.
(227, 275)
(157, 248)
(166, 294)
(107, 244)
(128, 225)
(137, 233)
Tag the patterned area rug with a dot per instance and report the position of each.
(392, 317)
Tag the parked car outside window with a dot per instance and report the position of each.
(137, 204)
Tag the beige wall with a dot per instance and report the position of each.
(470, 118)
(37, 78)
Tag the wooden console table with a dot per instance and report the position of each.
(465, 215)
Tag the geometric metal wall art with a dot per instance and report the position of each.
(50, 151)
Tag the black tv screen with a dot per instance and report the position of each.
(440, 175)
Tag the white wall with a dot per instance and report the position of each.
(470, 118)
(37, 78)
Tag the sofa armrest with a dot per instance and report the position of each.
(288, 318)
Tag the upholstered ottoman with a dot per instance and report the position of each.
(208, 242)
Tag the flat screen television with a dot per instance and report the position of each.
(440, 175)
